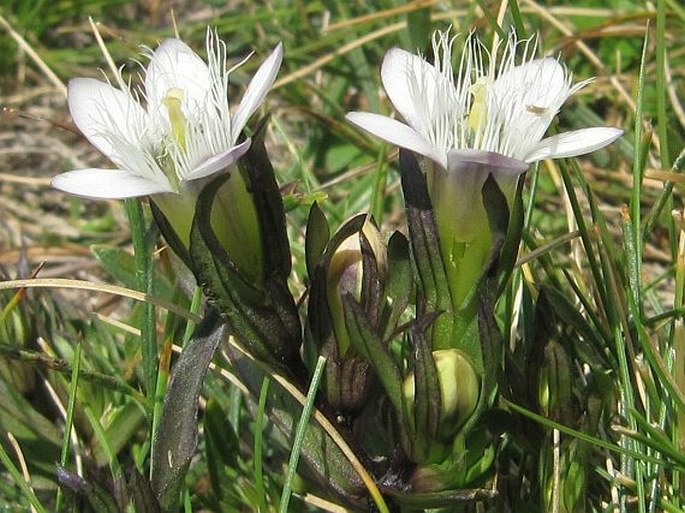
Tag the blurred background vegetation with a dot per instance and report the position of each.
(333, 52)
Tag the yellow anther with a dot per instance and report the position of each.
(479, 108)
(172, 101)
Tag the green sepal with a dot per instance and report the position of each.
(485, 292)
(368, 343)
(170, 235)
(373, 286)
(176, 436)
(260, 178)
(316, 238)
(264, 318)
(319, 320)
(509, 251)
(399, 286)
(427, 401)
(433, 286)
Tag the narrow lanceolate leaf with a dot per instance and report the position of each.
(176, 437)
(424, 242)
(264, 319)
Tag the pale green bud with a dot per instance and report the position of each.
(459, 390)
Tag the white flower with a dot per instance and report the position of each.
(182, 131)
(491, 117)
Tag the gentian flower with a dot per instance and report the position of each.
(484, 115)
(488, 118)
(181, 131)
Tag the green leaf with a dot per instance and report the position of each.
(176, 437)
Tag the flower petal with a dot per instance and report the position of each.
(476, 165)
(576, 142)
(175, 65)
(219, 162)
(105, 115)
(395, 132)
(107, 184)
(400, 73)
(489, 161)
(539, 83)
(259, 87)
(523, 101)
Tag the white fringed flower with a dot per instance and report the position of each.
(490, 116)
(182, 131)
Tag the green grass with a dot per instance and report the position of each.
(601, 310)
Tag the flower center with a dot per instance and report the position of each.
(478, 113)
(172, 101)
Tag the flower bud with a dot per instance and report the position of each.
(345, 275)
(352, 268)
(459, 390)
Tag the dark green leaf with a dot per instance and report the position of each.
(176, 437)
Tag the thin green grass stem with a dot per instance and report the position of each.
(69, 421)
(259, 446)
(609, 446)
(492, 20)
(19, 479)
(101, 437)
(302, 425)
(635, 235)
(516, 17)
(134, 211)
